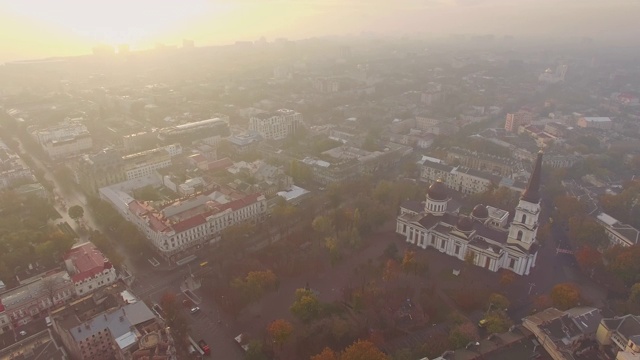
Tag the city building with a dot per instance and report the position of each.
(277, 125)
(514, 120)
(109, 167)
(553, 77)
(326, 85)
(346, 162)
(242, 143)
(29, 301)
(482, 162)
(565, 334)
(209, 131)
(462, 179)
(64, 140)
(89, 268)
(621, 335)
(144, 163)
(39, 346)
(102, 335)
(617, 232)
(180, 229)
(12, 169)
(476, 236)
(98, 170)
(603, 123)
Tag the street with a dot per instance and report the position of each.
(151, 282)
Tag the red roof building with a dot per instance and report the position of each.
(89, 268)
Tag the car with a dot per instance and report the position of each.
(23, 333)
(482, 323)
(194, 310)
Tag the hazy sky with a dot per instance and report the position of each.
(40, 28)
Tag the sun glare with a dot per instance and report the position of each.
(117, 21)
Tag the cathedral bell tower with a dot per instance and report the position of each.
(524, 226)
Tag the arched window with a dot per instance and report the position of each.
(524, 219)
(519, 237)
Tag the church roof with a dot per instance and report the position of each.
(437, 191)
(413, 205)
(532, 193)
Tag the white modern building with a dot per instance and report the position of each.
(180, 229)
(89, 268)
(277, 125)
(483, 236)
(64, 140)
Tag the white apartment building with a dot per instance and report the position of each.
(277, 125)
(146, 162)
(64, 140)
(89, 268)
(182, 228)
(461, 179)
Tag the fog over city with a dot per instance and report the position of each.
(320, 179)
(40, 28)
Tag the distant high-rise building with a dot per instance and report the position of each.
(276, 126)
(188, 44)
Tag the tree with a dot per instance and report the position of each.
(507, 278)
(498, 322)
(255, 284)
(323, 225)
(255, 351)
(325, 354)
(634, 294)
(499, 301)
(589, 259)
(565, 296)
(542, 302)
(75, 212)
(306, 306)
(462, 334)
(363, 350)
(568, 207)
(409, 261)
(280, 331)
(585, 231)
(49, 286)
(391, 270)
(624, 263)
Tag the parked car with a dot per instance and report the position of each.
(195, 309)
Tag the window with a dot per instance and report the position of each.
(457, 249)
(519, 236)
(524, 218)
(512, 263)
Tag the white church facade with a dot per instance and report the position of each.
(485, 237)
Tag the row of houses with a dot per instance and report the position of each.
(86, 270)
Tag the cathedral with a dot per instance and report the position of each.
(485, 237)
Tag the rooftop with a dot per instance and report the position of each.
(85, 261)
(34, 290)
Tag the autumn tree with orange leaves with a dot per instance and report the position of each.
(363, 349)
(565, 296)
(359, 350)
(280, 331)
(325, 354)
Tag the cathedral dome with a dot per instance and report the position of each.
(480, 212)
(465, 224)
(437, 191)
